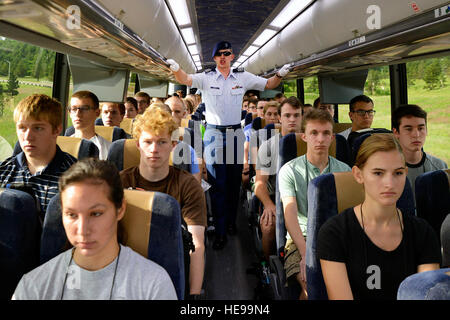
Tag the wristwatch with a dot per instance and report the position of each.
(278, 76)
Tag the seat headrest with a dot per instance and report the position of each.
(127, 125)
(349, 192)
(105, 132)
(137, 220)
(339, 127)
(131, 154)
(71, 145)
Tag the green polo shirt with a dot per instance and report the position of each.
(293, 182)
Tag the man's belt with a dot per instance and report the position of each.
(223, 128)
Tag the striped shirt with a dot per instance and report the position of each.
(14, 170)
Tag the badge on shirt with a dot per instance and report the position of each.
(236, 87)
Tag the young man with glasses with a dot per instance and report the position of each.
(222, 91)
(84, 109)
(143, 101)
(38, 121)
(361, 114)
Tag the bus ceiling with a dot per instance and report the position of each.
(316, 37)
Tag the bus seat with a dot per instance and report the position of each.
(433, 197)
(339, 127)
(109, 133)
(428, 285)
(19, 238)
(356, 138)
(99, 122)
(162, 242)
(125, 154)
(76, 147)
(127, 125)
(187, 123)
(272, 126)
(258, 123)
(152, 225)
(243, 114)
(328, 195)
(249, 118)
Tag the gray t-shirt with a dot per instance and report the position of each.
(428, 163)
(267, 160)
(137, 278)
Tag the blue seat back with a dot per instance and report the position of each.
(433, 197)
(76, 147)
(249, 118)
(356, 138)
(162, 243)
(19, 238)
(328, 195)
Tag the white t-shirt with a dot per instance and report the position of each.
(137, 278)
(103, 146)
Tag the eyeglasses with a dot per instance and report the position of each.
(82, 109)
(225, 53)
(362, 113)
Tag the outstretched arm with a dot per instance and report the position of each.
(275, 80)
(181, 76)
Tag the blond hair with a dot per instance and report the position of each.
(40, 107)
(383, 142)
(271, 104)
(155, 120)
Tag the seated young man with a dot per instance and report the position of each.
(143, 101)
(84, 109)
(409, 125)
(324, 106)
(294, 177)
(112, 113)
(153, 131)
(361, 114)
(266, 169)
(131, 108)
(38, 121)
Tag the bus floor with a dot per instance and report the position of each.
(227, 275)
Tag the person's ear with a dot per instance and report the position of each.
(357, 174)
(121, 210)
(97, 112)
(303, 136)
(396, 133)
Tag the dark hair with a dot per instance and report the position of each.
(133, 101)
(293, 101)
(95, 171)
(121, 108)
(87, 95)
(253, 100)
(407, 110)
(143, 94)
(360, 98)
(375, 143)
(316, 114)
(316, 103)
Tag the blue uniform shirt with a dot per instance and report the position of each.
(223, 97)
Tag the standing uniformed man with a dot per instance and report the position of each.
(223, 89)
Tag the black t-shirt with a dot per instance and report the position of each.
(374, 273)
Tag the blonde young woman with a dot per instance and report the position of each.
(366, 251)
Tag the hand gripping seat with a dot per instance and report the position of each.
(19, 238)
(76, 147)
(328, 195)
(152, 225)
(433, 197)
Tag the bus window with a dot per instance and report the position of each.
(311, 85)
(24, 70)
(428, 88)
(377, 87)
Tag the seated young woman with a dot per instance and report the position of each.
(97, 267)
(366, 251)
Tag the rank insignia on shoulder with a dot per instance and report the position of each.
(238, 70)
